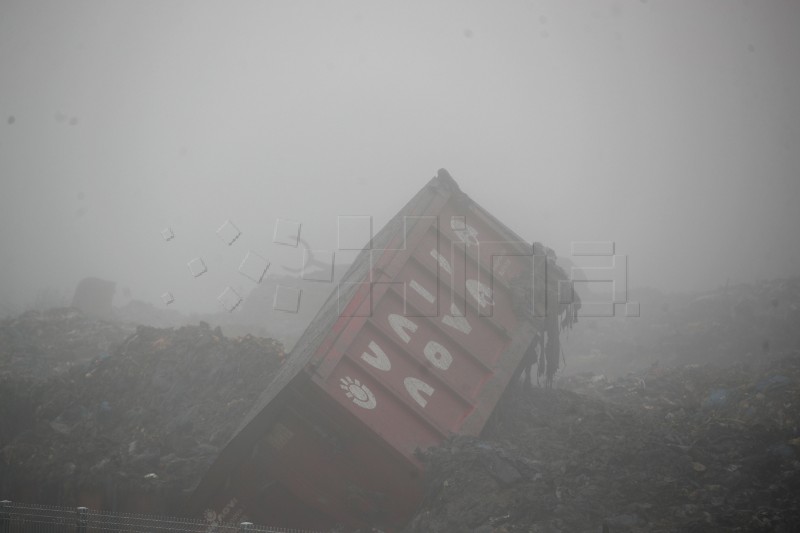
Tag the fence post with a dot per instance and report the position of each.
(83, 520)
(245, 527)
(5, 516)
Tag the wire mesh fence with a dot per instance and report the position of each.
(18, 517)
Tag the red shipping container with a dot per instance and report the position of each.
(416, 344)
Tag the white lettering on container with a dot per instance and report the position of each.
(400, 324)
(456, 320)
(416, 388)
(422, 291)
(468, 235)
(358, 393)
(438, 355)
(479, 291)
(442, 261)
(379, 359)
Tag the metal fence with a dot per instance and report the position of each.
(32, 518)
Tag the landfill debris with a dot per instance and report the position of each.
(150, 416)
(635, 460)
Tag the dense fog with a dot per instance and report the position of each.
(669, 128)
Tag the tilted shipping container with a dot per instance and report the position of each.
(416, 344)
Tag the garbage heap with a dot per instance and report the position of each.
(684, 449)
(131, 430)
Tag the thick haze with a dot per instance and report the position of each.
(669, 127)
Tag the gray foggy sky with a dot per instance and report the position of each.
(669, 127)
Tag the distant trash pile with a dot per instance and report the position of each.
(42, 344)
(742, 323)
